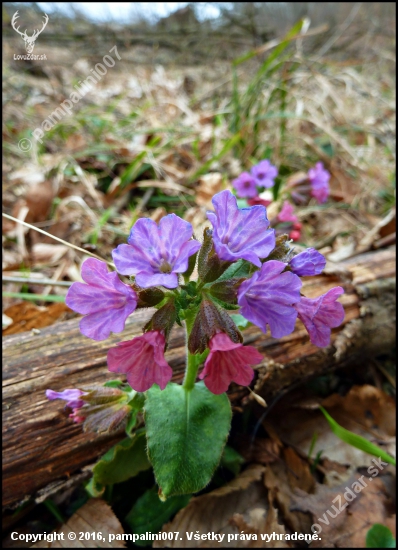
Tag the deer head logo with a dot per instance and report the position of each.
(29, 40)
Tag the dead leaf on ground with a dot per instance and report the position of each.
(262, 450)
(365, 410)
(39, 200)
(48, 254)
(381, 231)
(158, 214)
(209, 185)
(27, 316)
(74, 142)
(281, 478)
(94, 517)
(240, 505)
(348, 528)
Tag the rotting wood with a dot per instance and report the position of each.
(41, 446)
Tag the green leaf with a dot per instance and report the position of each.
(232, 460)
(240, 321)
(149, 513)
(123, 461)
(242, 203)
(131, 423)
(357, 441)
(241, 268)
(186, 433)
(221, 303)
(114, 384)
(380, 536)
(95, 489)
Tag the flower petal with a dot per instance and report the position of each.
(142, 360)
(147, 279)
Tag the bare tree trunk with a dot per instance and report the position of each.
(43, 448)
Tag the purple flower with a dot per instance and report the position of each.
(105, 301)
(228, 362)
(71, 396)
(286, 214)
(308, 262)
(264, 173)
(240, 234)
(142, 361)
(319, 179)
(320, 315)
(268, 298)
(245, 186)
(156, 254)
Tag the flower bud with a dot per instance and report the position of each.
(210, 320)
(101, 409)
(210, 267)
(102, 395)
(148, 297)
(163, 320)
(226, 291)
(282, 251)
(104, 419)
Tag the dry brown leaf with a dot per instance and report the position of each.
(39, 200)
(96, 516)
(349, 527)
(262, 451)
(281, 478)
(158, 214)
(27, 316)
(240, 505)
(196, 216)
(261, 523)
(74, 142)
(209, 185)
(365, 410)
(49, 254)
(384, 228)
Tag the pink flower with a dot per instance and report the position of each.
(228, 362)
(295, 235)
(286, 214)
(320, 315)
(142, 361)
(258, 201)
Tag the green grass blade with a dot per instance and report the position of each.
(227, 146)
(34, 297)
(356, 440)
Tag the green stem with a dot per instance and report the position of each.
(192, 364)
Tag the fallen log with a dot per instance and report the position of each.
(42, 448)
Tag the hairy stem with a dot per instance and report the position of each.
(191, 359)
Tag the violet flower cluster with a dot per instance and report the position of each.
(241, 264)
(262, 176)
(299, 188)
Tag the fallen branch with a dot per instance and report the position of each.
(42, 447)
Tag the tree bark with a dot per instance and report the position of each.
(42, 447)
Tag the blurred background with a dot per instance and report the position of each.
(139, 109)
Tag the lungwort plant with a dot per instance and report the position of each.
(240, 265)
